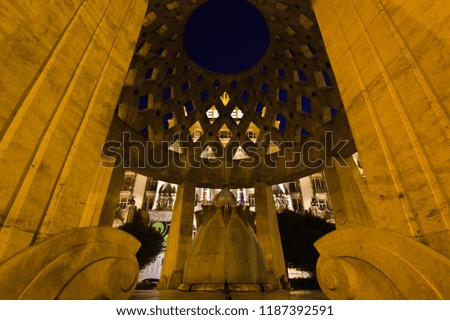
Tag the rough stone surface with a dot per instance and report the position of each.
(366, 263)
(82, 263)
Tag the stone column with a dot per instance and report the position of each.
(344, 182)
(391, 61)
(180, 237)
(97, 194)
(63, 66)
(112, 195)
(268, 235)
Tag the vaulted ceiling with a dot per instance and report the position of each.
(235, 128)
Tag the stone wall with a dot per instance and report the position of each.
(62, 67)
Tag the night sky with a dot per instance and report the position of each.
(226, 36)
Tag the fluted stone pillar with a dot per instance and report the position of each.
(268, 235)
(386, 60)
(391, 62)
(97, 194)
(180, 237)
(344, 182)
(112, 195)
(63, 64)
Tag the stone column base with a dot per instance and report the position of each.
(366, 263)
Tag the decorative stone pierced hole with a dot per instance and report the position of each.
(290, 54)
(212, 114)
(322, 79)
(300, 134)
(204, 95)
(328, 113)
(300, 76)
(280, 123)
(305, 133)
(224, 135)
(280, 73)
(188, 108)
(146, 102)
(131, 77)
(237, 115)
(240, 154)
(168, 94)
(225, 98)
(308, 51)
(304, 105)
(171, 71)
(261, 109)
(272, 148)
(208, 153)
(221, 41)
(245, 96)
(196, 131)
(162, 29)
(143, 49)
(173, 5)
(290, 31)
(176, 147)
(252, 132)
(162, 53)
(149, 19)
(185, 86)
(151, 74)
(281, 7)
(169, 121)
(305, 22)
(282, 95)
(264, 87)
